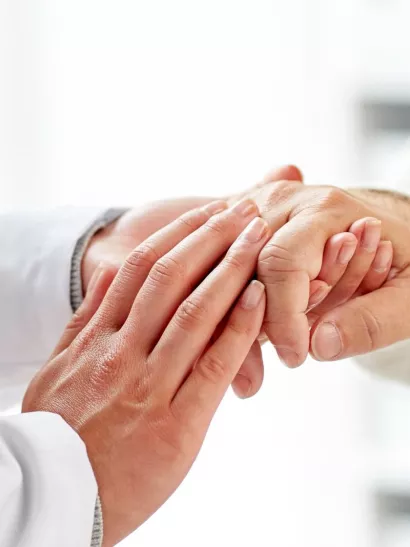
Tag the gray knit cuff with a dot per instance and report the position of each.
(97, 535)
(76, 285)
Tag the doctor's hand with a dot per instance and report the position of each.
(349, 322)
(140, 372)
(112, 245)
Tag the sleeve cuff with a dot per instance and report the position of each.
(98, 526)
(76, 285)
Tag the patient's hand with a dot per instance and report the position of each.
(354, 263)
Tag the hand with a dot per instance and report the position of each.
(302, 219)
(140, 376)
(112, 245)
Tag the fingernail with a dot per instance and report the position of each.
(326, 342)
(242, 386)
(371, 235)
(244, 207)
(288, 357)
(383, 257)
(255, 230)
(346, 253)
(392, 274)
(215, 207)
(252, 295)
(318, 296)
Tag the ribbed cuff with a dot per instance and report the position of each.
(76, 285)
(97, 536)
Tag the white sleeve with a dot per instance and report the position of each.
(36, 250)
(392, 362)
(48, 489)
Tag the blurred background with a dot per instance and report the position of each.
(119, 103)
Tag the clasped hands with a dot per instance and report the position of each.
(299, 266)
(141, 368)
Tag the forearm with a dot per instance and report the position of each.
(396, 203)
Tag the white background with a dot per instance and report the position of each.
(105, 102)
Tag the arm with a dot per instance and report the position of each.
(48, 490)
(36, 271)
(392, 362)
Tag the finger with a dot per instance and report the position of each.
(97, 289)
(363, 324)
(286, 172)
(197, 318)
(380, 268)
(318, 292)
(118, 302)
(286, 271)
(176, 274)
(249, 379)
(339, 250)
(200, 394)
(368, 232)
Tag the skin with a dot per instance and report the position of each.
(141, 388)
(151, 352)
(333, 283)
(302, 218)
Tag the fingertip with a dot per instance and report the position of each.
(289, 357)
(241, 386)
(249, 379)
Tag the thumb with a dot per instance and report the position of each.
(364, 324)
(286, 172)
(97, 289)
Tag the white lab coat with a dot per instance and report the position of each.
(47, 486)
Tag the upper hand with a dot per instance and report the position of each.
(140, 375)
(112, 245)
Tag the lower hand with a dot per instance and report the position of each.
(303, 218)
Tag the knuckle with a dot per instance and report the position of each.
(274, 258)
(77, 321)
(281, 191)
(142, 256)
(191, 313)
(193, 219)
(371, 327)
(167, 270)
(331, 197)
(106, 368)
(240, 327)
(212, 368)
(216, 227)
(86, 339)
(234, 261)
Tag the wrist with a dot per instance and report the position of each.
(91, 257)
(389, 201)
(85, 259)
